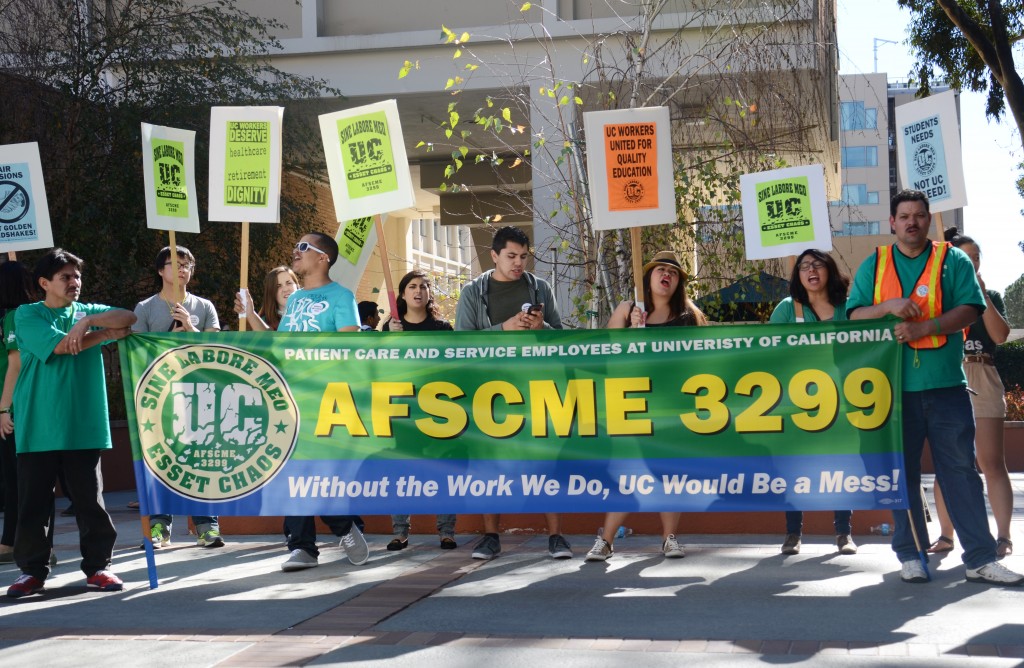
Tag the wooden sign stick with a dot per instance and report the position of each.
(382, 248)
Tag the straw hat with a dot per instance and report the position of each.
(666, 259)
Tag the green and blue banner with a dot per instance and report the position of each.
(730, 418)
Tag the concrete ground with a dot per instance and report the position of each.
(734, 600)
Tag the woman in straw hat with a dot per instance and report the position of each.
(666, 304)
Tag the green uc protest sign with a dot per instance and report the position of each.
(765, 417)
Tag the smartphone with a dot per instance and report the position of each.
(533, 308)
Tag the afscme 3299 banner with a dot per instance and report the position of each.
(765, 417)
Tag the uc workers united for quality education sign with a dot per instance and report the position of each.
(24, 214)
(730, 418)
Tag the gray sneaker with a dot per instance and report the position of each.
(488, 548)
(354, 544)
(792, 544)
(299, 560)
(601, 551)
(672, 549)
(845, 544)
(995, 573)
(558, 547)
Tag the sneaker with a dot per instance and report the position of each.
(355, 546)
(845, 544)
(104, 581)
(792, 544)
(398, 543)
(448, 543)
(488, 548)
(672, 549)
(160, 535)
(913, 571)
(601, 551)
(53, 558)
(299, 560)
(995, 573)
(558, 547)
(209, 538)
(25, 585)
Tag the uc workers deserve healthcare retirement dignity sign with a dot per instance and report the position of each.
(731, 418)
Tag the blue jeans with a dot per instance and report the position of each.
(445, 525)
(203, 522)
(841, 521)
(946, 419)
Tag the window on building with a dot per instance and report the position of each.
(855, 116)
(859, 228)
(860, 156)
(858, 194)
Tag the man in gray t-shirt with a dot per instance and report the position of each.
(509, 298)
(169, 312)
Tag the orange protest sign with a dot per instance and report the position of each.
(631, 151)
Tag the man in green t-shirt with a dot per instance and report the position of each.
(62, 369)
(932, 288)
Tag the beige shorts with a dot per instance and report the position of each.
(990, 400)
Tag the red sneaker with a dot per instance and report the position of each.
(25, 585)
(104, 581)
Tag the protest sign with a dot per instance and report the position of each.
(928, 150)
(245, 164)
(356, 241)
(765, 417)
(629, 163)
(169, 175)
(24, 214)
(785, 212)
(366, 161)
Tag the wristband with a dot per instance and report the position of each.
(938, 330)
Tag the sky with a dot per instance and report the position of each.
(991, 150)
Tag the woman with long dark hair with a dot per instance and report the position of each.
(817, 292)
(417, 312)
(666, 304)
(16, 288)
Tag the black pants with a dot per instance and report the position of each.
(37, 476)
(301, 531)
(9, 469)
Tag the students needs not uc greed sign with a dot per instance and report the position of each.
(730, 418)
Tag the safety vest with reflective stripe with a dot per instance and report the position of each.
(927, 293)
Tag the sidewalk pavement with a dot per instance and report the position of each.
(734, 600)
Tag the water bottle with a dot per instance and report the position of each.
(883, 529)
(621, 533)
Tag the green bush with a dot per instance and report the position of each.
(1010, 363)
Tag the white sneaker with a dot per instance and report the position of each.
(299, 560)
(995, 573)
(913, 571)
(355, 546)
(601, 551)
(672, 549)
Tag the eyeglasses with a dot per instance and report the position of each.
(807, 266)
(181, 265)
(304, 246)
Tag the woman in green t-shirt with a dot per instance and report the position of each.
(16, 288)
(818, 291)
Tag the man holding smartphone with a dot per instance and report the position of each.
(510, 298)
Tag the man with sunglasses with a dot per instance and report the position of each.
(320, 306)
(174, 309)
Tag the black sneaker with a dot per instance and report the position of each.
(398, 543)
(488, 548)
(558, 547)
